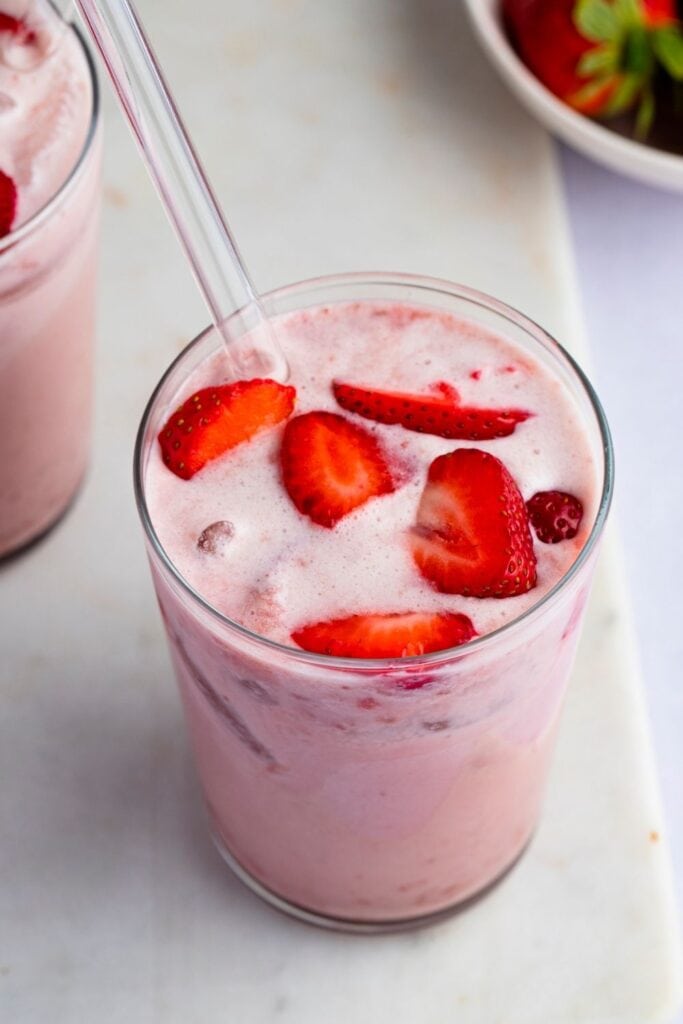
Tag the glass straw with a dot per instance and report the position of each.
(184, 189)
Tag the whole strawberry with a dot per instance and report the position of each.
(599, 56)
(554, 515)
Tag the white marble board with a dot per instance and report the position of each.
(343, 136)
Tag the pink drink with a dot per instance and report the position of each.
(372, 792)
(50, 149)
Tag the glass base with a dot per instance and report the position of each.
(34, 539)
(343, 924)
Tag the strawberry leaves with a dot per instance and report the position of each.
(597, 20)
(668, 47)
(634, 39)
(598, 62)
(645, 115)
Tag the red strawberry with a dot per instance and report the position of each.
(216, 419)
(549, 42)
(397, 635)
(472, 534)
(554, 515)
(331, 466)
(594, 54)
(429, 414)
(662, 12)
(8, 203)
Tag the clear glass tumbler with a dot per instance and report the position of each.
(48, 269)
(376, 794)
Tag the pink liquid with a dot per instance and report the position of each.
(47, 288)
(370, 795)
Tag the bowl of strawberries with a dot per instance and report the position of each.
(606, 76)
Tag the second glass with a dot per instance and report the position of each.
(48, 269)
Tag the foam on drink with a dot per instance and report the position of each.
(283, 571)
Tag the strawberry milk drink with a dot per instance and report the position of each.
(49, 196)
(372, 578)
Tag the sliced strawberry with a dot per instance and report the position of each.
(216, 419)
(554, 515)
(472, 535)
(8, 203)
(429, 414)
(330, 466)
(397, 635)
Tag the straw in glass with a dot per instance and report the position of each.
(183, 187)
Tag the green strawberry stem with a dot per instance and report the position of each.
(628, 54)
(645, 115)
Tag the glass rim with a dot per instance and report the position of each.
(37, 219)
(411, 662)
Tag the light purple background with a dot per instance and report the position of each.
(628, 241)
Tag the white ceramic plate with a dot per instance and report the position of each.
(619, 154)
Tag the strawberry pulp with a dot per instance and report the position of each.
(8, 203)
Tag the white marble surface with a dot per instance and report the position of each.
(344, 137)
(628, 244)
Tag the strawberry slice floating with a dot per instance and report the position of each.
(472, 533)
(555, 515)
(330, 466)
(396, 635)
(8, 203)
(214, 420)
(439, 414)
